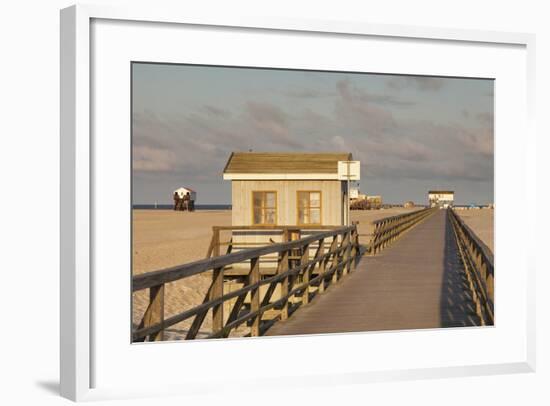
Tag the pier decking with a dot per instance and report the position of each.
(418, 282)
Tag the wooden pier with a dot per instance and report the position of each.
(424, 269)
(419, 282)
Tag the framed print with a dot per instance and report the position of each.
(253, 193)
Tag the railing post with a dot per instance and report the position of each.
(490, 287)
(284, 283)
(335, 258)
(216, 292)
(155, 311)
(357, 248)
(349, 257)
(216, 247)
(346, 256)
(255, 296)
(322, 265)
(305, 273)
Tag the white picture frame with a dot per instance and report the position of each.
(78, 353)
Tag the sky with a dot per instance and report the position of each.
(411, 133)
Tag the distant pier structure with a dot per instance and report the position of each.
(441, 198)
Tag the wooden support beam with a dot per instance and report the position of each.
(255, 296)
(305, 276)
(155, 311)
(215, 293)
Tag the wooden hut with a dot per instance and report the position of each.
(287, 189)
(441, 198)
(284, 196)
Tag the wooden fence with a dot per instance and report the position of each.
(388, 229)
(288, 233)
(294, 275)
(477, 259)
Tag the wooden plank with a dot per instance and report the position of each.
(305, 276)
(215, 293)
(347, 252)
(322, 267)
(255, 296)
(155, 312)
(284, 284)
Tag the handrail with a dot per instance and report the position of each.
(389, 229)
(294, 277)
(398, 216)
(216, 243)
(478, 263)
(171, 274)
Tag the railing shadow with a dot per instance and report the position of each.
(456, 304)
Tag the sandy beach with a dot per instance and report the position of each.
(481, 221)
(165, 238)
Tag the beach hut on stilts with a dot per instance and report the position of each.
(184, 199)
(281, 196)
(278, 197)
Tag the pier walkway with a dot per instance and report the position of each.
(424, 269)
(417, 282)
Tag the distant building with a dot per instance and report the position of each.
(374, 202)
(408, 204)
(441, 198)
(354, 193)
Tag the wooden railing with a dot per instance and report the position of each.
(388, 229)
(294, 275)
(285, 233)
(477, 259)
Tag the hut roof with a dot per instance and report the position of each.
(284, 162)
(184, 188)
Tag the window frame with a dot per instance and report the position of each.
(309, 207)
(252, 207)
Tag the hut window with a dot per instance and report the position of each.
(309, 207)
(264, 207)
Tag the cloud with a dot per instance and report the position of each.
(305, 93)
(272, 123)
(389, 100)
(194, 147)
(422, 83)
(355, 108)
(149, 159)
(215, 111)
